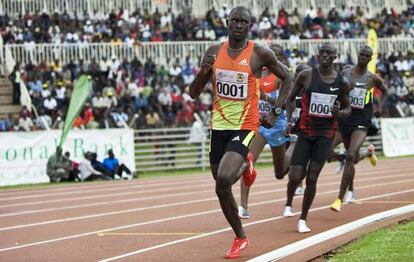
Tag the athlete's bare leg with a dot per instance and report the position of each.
(296, 175)
(256, 149)
(288, 157)
(279, 161)
(352, 149)
(335, 142)
(313, 172)
(228, 174)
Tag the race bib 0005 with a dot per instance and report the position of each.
(231, 84)
(264, 107)
(321, 105)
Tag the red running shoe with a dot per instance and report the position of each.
(249, 175)
(239, 244)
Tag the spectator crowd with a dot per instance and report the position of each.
(132, 27)
(128, 92)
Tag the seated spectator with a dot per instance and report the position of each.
(112, 164)
(169, 117)
(43, 122)
(88, 118)
(164, 99)
(85, 119)
(60, 93)
(141, 121)
(110, 98)
(74, 171)
(7, 123)
(153, 119)
(50, 105)
(86, 170)
(141, 102)
(25, 123)
(57, 168)
(10, 121)
(100, 166)
(35, 85)
(119, 117)
(3, 125)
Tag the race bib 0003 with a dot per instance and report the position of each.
(321, 105)
(357, 97)
(231, 84)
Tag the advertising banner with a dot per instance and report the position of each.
(397, 136)
(24, 155)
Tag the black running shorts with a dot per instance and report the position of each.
(314, 148)
(223, 141)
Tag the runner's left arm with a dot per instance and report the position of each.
(344, 100)
(279, 70)
(380, 84)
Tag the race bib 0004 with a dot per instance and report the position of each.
(321, 105)
(231, 84)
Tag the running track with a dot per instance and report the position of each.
(179, 218)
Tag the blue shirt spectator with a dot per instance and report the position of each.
(2, 125)
(35, 85)
(111, 163)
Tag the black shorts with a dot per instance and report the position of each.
(346, 129)
(314, 148)
(223, 141)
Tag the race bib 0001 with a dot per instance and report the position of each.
(231, 84)
(321, 105)
(357, 97)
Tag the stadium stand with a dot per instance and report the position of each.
(140, 71)
(198, 8)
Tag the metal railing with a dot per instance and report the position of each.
(198, 8)
(158, 150)
(166, 52)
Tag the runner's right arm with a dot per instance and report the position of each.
(299, 85)
(203, 76)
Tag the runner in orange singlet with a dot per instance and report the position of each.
(235, 68)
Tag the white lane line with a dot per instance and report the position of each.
(140, 251)
(31, 212)
(101, 196)
(122, 187)
(154, 207)
(332, 233)
(35, 211)
(143, 208)
(193, 215)
(104, 189)
(101, 184)
(106, 195)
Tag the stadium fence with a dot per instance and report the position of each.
(196, 7)
(166, 52)
(167, 149)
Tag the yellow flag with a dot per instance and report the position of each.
(373, 43)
